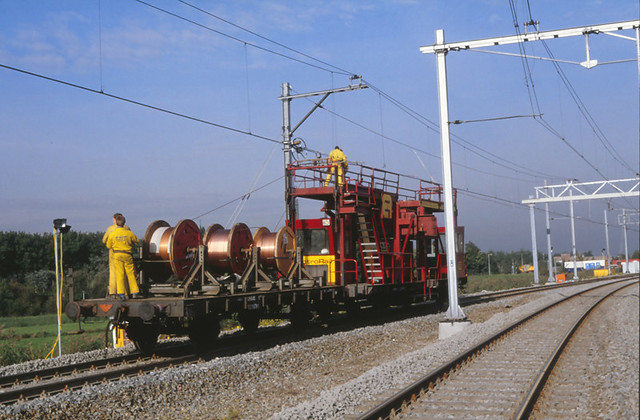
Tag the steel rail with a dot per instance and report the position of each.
(37, 389)
(466, 300)
(13, 389)
(59, 371)
(23, 378)
(533, 394)
(393, 405)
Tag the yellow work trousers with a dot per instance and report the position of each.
(112, 275)
(330, 174)
(123, 265)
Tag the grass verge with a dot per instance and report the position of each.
(32, 337)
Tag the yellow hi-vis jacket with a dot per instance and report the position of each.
(337, 156)
(121, 239)
(109, 230)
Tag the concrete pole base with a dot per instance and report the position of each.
(448, 328)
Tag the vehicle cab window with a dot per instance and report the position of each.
(314, 241)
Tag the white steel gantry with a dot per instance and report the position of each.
(628, 217)
(574, 191)
(440, 49)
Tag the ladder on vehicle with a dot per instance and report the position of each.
(370, 249)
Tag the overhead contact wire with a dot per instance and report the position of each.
(581, 107)
(240, 198)
(142, 104)
(341, 70)
(431, 125)
(232, 37)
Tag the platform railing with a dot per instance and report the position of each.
(311, 173)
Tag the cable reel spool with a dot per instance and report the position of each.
(277, 249)
(175, 246)
(228, 250)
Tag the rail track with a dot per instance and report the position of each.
(21, 387)
(502, 376)
(50, 381)
(472, 299)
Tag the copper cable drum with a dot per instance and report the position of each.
(277, 249)
(228, 250)
(174, 246)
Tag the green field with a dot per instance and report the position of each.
(32, 337)
(478, 283)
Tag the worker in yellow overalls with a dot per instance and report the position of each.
(120, 242)
(112, 271)
(338, 161)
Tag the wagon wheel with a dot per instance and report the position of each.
(204, 331)
(381, 301)
(249, 320)
(144, 336)
(324, 311)
(353, 309)
(300, 315)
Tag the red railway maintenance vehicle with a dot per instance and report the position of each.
(377, 244)
(379, 239)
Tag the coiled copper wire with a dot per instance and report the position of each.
(277, 249)
(172, 248)
(228, 251)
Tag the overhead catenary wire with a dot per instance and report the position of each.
(495, 119)
(527, 70)
(511, 203)
(458, 140)
(245, 198)
(587, 115)
(336, 68)
(339, 70)
(142, 104)
(240, 197)
(574, 95)
(208, 28)
(531, 91)
(413, 148)
(273, 140)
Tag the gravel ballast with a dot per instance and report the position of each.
(322, 377)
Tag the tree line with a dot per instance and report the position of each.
(28, 280)
(478, 262)
(27, 270)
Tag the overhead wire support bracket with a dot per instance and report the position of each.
(495, 119)
(531, 36)
(287, 131)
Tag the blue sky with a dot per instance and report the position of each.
(69, 152)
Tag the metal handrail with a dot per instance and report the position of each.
(355, 270)
(359, 175)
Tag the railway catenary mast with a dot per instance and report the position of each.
(287, 131)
